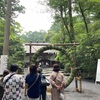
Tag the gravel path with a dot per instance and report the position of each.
(90, 91)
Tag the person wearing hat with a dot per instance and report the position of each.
(43, 88)
(57, 82)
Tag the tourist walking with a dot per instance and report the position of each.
(57, 82)
(13, 83)
(32, 84)
(43, 88)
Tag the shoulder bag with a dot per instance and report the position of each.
(44, 81)
(9, 78)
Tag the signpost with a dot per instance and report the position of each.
(98, 72)
(0, 67)
(3, 63)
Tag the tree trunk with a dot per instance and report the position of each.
(65, 23)
(7, 29)
(71, 21)
(83, 17)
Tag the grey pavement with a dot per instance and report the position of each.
(90, 90)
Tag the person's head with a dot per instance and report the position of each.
(39, 70)
(56, 67)
(33, 69)
(5, 72)
(14, 68)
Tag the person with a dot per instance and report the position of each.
(13, 83)
(57, 83)
(32, 83)
(5, 72)
(43, 88)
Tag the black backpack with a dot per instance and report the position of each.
(1, 91)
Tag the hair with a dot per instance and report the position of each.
(56, 67)
(5, 72)
(39, 70)
(33, 69)
(14, 68)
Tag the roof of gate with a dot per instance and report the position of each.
(34, 49)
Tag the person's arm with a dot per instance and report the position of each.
(22, 82)
(51, 80)
(26, 87)
(63, 81)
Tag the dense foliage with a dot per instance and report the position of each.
(33, 36)
(74, 21)
(83, 27)
(16, 50)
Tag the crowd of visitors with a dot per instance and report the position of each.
(13, 83)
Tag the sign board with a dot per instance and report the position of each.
(98, 72)
(0, 67)
(3, 64)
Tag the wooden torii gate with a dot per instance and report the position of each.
(54, 44)
(77, 78)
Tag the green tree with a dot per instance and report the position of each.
(16, 52)
(86, 30)
(17, 55)
(7, 29)
(11, 7)
(88, 54)
(33, 36)
(63, 13)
